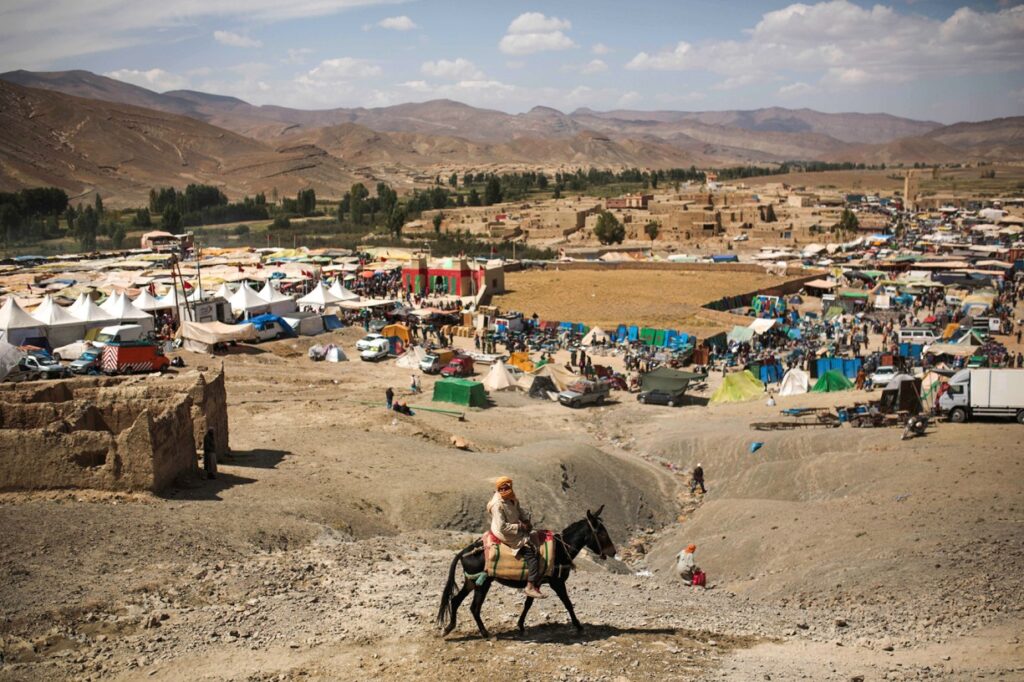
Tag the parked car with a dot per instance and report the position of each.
(376, 350)
(882, 376)
(659, 397)
(585, 392)
(45, 366)
(459, 366)
(367, 341)
(87, 363)
(269, 330)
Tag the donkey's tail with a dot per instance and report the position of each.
(444, 612)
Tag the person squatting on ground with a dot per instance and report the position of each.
(685, 565)
(209, 454)
(510, 523)
(698, 479)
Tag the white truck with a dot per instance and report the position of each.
(984, 393)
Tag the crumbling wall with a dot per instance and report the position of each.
(122, 434)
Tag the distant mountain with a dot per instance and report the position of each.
(80, 145)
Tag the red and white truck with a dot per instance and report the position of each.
(133, 357)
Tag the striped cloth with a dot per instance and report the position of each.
(500, 560)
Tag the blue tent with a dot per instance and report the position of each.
(261, 322)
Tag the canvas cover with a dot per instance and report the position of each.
(902, 393)
(559, 376)
(795, 382)
(521, 359)
(541, 388)
(667, 379)
(738, 387)
(761, 325)
(460, 392)
(201, 336)
(10, 356)
(500, 560)
(499, 378)
(740, 334)
(595, 335)
(397, 330)
(832, 380)
(411, 358)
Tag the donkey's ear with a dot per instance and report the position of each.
(589, 515)
(599, 510)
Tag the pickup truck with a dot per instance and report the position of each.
(459, 366)
(585, 392)
(45, 367)
(434, 361)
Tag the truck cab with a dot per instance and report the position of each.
(984, 393)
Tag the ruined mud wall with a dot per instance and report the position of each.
(138, 433)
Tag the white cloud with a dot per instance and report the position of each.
(153, 79)
(798, 88)
(455, 69)
(402, 23)
(849, 46)
(534, 32)
(342, 69)
(297, 55)
(37, 33)
(600, 48)
(235, 39)
(594, 66)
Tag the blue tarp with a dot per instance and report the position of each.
(261, 321)
(725, 258)
(911, 350)
(847, 366)
(769, 374)
(634, 333)
(331, 322)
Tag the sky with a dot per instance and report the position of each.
(925, 59)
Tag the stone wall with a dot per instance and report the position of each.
(125, 433)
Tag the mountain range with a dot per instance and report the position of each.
(80, 131)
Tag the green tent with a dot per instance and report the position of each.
(668, 379)
(832, 380)
(737, 387)
(460, 392)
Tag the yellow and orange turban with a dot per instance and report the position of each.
(505, 494)
(691, 548)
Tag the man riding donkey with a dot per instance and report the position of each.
(510, 523)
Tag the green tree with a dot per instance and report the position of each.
(474, 198)
(357, 201)
(396, 220)
(117, 236)
(88, 223)
(848, 221)
(437, 223)
(281, 223)
(454, 180)
(170, 221)
(142, 218)
(558, 192)
(608, 229)
(652, 229)
(10, 223)
(98, 205)
(542, 181)
(492, 192)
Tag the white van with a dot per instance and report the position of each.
(119, 334)
(919, 335)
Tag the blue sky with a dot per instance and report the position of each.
(928, 59)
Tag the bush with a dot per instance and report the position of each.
(242, 230)
(281, 223)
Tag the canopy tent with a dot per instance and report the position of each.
(16, 325)
(795, 382)
(499, 378)
(320, 296)
(411, 358)
(761, 325)
(61, 326)
(10, 356)
(832, 380)
(146, 301)
(595, 335)
(86, 310)
(559, 376)
(342, 294)
(460, 392)
(959, 350)
(740, 334)
(246, 301)
(820, 284)
(398, 330)
(667, 379)
(201, 336)
(902, 393)
(124, 312)
(738, 387)
(279, 303)
(225, 291)
(112, 301)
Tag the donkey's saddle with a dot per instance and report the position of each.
(500, 560)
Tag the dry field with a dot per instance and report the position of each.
(607, 298)
(849, 181)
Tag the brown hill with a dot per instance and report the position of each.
(82, 145)
(998, 139)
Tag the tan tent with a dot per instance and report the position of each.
(560, 377)
(595, 335)
(499, 378)
(201, 336)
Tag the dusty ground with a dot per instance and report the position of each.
(657, 298)
(321, 550)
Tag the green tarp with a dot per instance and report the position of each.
(832, 380)
(737, 387)
(667, 379)
(460, 392)
(647, 335)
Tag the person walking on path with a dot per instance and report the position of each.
(389, 396)
(698, 479)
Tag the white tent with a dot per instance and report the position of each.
(595, 335)
(148, 302)
(86, 310)
(16, 325)
(411, 358)
(10, 356)
(335, 354)
(761, 325)
(795, 382)
(320, 296)
(247, 301)
(111, 302)
(61, 326)
(279, 303)
(124, 312)
(499, 378)
(342, 293)
(225, 292)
